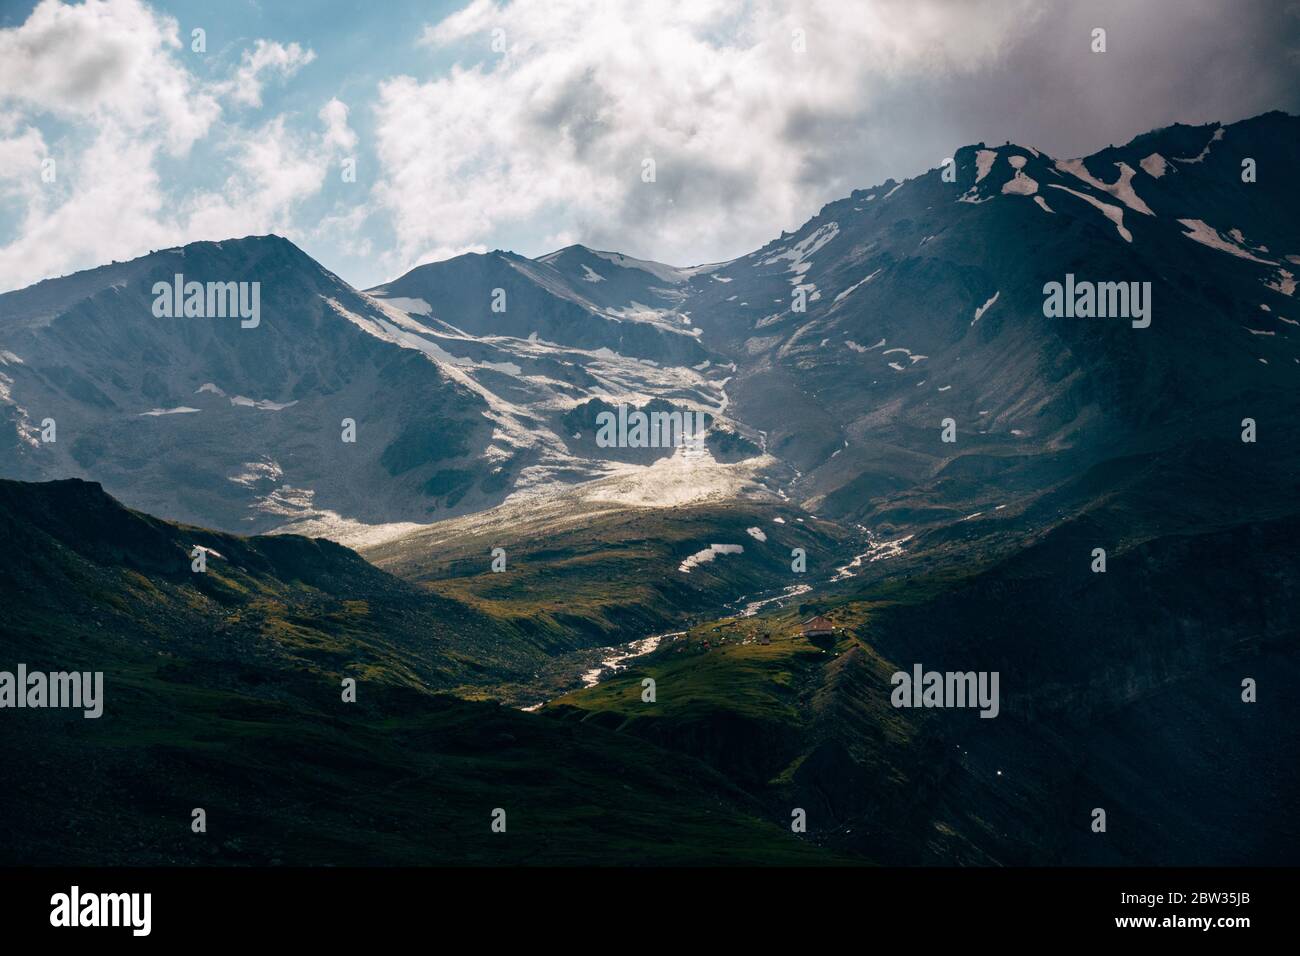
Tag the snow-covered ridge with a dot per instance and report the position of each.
(1200, 157)
(1121, 189)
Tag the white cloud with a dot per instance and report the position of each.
(105, 60)
(112, 68)
(274, 169)
(267, 56)
(334, 115)
(344, 229)
(542, 144)
(551, 134)
(113, 207)
(21, 155)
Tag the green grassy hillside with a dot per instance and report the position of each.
(614, 575)
(1126, 703)
(223, 691)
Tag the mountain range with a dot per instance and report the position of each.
(886, 395)
(921, 301)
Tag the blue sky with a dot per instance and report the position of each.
(480, 125)
(350, 60)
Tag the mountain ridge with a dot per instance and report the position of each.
(918, 305)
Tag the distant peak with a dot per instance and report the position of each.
(560, 253)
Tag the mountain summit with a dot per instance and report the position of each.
(828, 361)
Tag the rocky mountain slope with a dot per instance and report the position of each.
(829, 358)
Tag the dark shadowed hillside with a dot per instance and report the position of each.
(222, 692)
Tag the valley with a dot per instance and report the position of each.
(430, 488)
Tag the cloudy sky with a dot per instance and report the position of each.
(525, 125)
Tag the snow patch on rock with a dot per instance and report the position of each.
(856, 284)
(801, 252)
(414, 306)
(1113, 213)
(985, 307)
(1285, 283)
(1200, 231)
(1155, 166)
(178, 410)
(264, 404)
(708, 554)
(1121, 189)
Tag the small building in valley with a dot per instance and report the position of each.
(817, 626)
